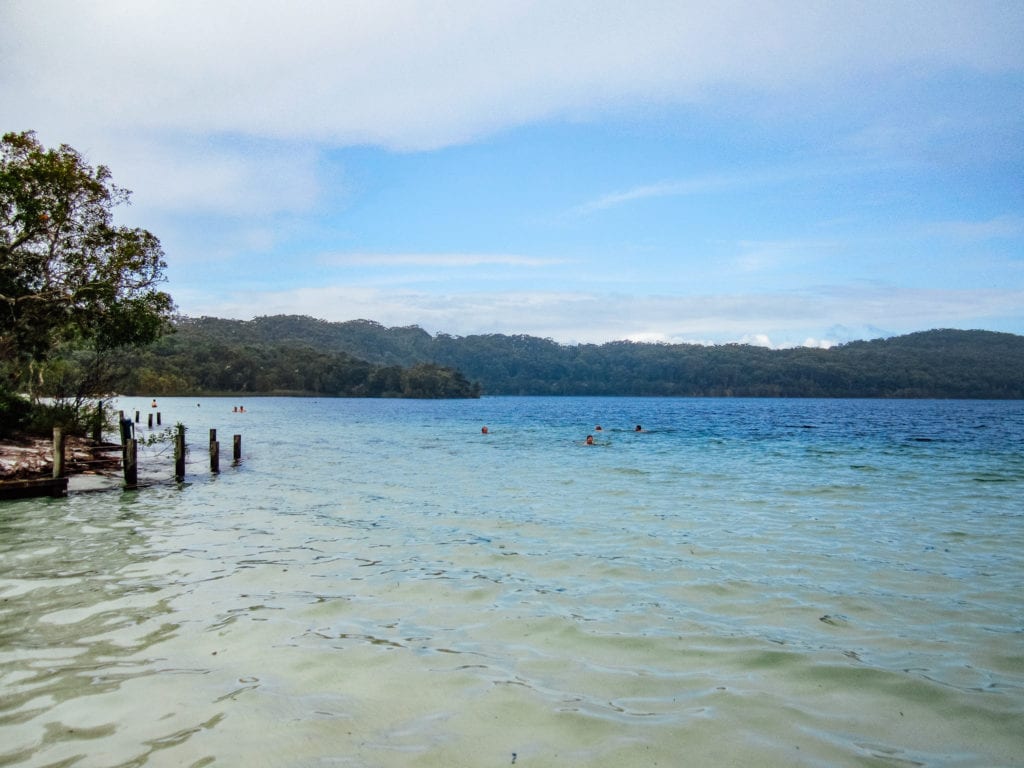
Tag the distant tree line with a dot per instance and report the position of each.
(363, 358)
(193, 362)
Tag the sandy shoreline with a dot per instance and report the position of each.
(86, 463)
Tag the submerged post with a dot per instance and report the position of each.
(58, 452)
(238, 448)
(131, 464)
(214, 452)
(150, 425)
(127, 431)
(158, 418)
(179, 454)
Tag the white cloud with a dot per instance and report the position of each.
(405, 74)
(250, 178)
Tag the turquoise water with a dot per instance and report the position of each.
(378, 583)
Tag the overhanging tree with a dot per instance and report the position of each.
(68, 275)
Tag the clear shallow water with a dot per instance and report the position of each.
(749, 582)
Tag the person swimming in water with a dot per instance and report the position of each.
(589, 440)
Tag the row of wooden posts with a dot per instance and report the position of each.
(130, 450)
(130, 447)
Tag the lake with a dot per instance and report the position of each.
(379, 583)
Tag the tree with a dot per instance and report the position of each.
(68, 275)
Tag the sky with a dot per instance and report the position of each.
(775, 173)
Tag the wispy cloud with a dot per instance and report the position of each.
(676, 188)
(711, 184)
(778, 318)
(435, 260)
(758, 256)
(1000, 227)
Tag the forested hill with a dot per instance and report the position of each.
(939, 363)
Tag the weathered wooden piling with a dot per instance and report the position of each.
(137, 417)
(238, 448)
(179, 454)
(127, 437)
(131, 463)
(158, 418)
(58, 452)
(214, 452)
(150, 424)
(127, 433)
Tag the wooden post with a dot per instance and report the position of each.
(150, 425)
(58, 452)
(131, 464)
(127, 430)
(238, 448)
(136, 417)
(158, 418)
(179, 454)
(214, 452)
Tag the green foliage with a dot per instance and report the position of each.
(432, 380)
(254, 356)
(275, 360)
(40, 418)
(69, 278)
(15, 412)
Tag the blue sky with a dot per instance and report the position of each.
(778, 173)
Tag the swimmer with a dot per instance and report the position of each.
(483, 430)
(590, 440)
(638, 428)
(153, 405)
(597, 428)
